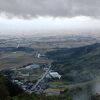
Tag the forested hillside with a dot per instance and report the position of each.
(77, 64)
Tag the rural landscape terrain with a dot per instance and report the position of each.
(63, 67)
(49, 49)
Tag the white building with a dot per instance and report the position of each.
(53, 75)
(38, 55)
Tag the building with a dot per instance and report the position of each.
(53, 75)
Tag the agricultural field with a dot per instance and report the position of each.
(15, 59)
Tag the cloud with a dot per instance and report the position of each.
(54, 8)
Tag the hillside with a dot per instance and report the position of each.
(10, 91)
(77, 64)
(7, 88)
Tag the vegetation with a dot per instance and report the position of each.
(77, 64)
(10, 91)
(41, 97)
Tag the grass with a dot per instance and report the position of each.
(65, 86)
(58, 82)
(18, 59)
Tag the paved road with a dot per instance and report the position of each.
(42, 78)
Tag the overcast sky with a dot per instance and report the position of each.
(30, 15)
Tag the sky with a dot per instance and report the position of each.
(46, 15)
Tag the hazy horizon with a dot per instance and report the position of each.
(49, 16)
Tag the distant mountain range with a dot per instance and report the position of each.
(77, 64)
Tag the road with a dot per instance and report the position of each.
(41, 79)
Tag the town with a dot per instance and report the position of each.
(33, 77)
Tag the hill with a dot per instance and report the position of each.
(77, 64)
(10, 91)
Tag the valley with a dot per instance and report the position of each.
(74, 59)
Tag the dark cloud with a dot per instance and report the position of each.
(55, 8)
